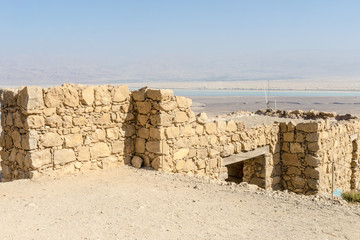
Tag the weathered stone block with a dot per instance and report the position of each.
(298, 182)
(157, 133)
(314, 146)
(100, 150)
(84, 154)
(73, 140)
(312, 173)
(118, 147)
(159, 147)
(139, 145)
(80, 121)
(139, 95)
(102, 95)
(181, 153)
(312, 137)
(143, 133)
(296, 148)
(289, 137)
(37, 159)
(103, 120)
(112, 133)
(136, 162)
(181, 117)
(172, 132)
(142, 119)
(143, 107)
(71, 96)
(228, 150)
(162, 119)
(31, 98)
(166, 106)
(183, 102)
(188, 131)
(308, 127)
(312, 160)
(290, 159)
(210, 128)
(64, 156)
(30, 140)
(120, 93)
(159, 94)
(87, 96)
(51, 139)
(231, 126)
(34, 121)
(199, 129)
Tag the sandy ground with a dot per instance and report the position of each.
(222, 105)
(125, 203)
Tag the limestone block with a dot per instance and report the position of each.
(80, 121)
(312, 173)
(202, 118)
(99, 135)
(179, 166)
(53, 97)
(71, 96)
(16, 138)
(172, 132)
(159, 147)
(139, 145)
(143, 107)
(128, 130)
(159, 94)
(289, 137)
(156, 163)
(199, 129)
(202, 153)
(143, 133)
(162, 119)
(183, 102)
(299, 137)
(84, 154)
(314, 146)
(87, 96)
(102, 95)
(118, 146)
(210, 128)
(51, 139)
(298, 182)
(139, 95)
(54, 121)
(290, 159)
(312, 137)
(9, 97)
(8, 141)
(142, 119)
(37, 159)
(9, 121)
(313, 184)
(188, 131)
(240, 125)
(157, 133)
(181, 117)
(182, 142)
(103, 120)
(194, 140)
(181, 153)
(231, 126)
(296, 148)
(73, 140)
(213, 153)
(120, 93)
(112, 133)
(100, 150)
(130, 116)
(129, 146)
(34, 121)
(228, 150)
(189, 166)
(221, 126)
(136, 162)
(64, 156)
(67, 122)
(293, 170)
(312, 160)
(18, 120)
(308, 127)
(31, 98)
(166, 106)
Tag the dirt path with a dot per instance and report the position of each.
(142, 204)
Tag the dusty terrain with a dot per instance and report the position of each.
(125, 203)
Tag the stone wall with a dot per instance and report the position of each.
(67, 128)
(76, 128)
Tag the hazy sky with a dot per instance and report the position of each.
(133, 33)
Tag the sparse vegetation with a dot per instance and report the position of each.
(352, 197)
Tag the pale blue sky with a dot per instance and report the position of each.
(108, 31)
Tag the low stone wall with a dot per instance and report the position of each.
(76, 128)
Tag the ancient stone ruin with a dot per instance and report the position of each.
(76, 128)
